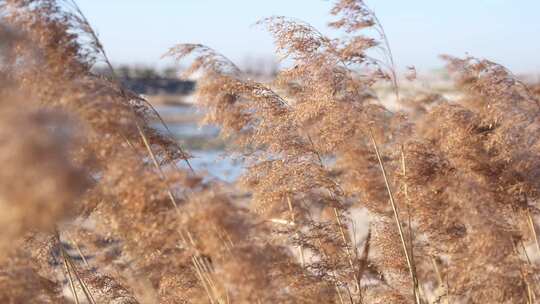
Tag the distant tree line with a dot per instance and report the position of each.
(149, 80)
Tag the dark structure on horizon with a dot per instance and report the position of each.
(159, 85)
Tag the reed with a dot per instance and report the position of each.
(451, 186)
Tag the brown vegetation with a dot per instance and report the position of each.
(98, 207)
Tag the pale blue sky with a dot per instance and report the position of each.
(140, 31)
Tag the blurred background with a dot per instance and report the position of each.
(140, 31)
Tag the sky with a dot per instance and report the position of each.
(140, 31)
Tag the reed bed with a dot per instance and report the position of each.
(96, 206)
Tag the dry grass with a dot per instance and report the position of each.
(96, 206)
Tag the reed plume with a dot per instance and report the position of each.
(96, 205)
